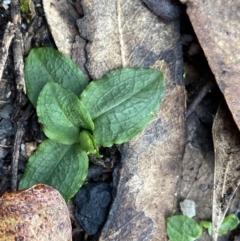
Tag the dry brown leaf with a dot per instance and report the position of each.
(61, 17)
(226, 138)
(216, 24)
(125, 33)
(196, 182)
(35, 214)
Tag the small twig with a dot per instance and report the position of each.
(199, 97)
(7, 39)
(5, 146)
(18, 46)
(15, 155)
(16, 146)
(20, 84)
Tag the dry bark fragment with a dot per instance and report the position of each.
(226, 138)
(216, 24)
(61, 17)
(7, 39)
(125, 33)
(18, 47)
(20, 82)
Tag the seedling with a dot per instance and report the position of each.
(183, 228)
(229, 223)
(78, 117)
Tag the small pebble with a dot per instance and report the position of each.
(188, 208)
(23, 151)
(92, 205)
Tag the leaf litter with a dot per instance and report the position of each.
(203, 186)
(226, 137)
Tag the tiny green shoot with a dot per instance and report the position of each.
(229, 223)
(183, 228)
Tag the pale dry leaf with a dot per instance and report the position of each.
(61, 17)
(35, 214)
(196, 181)
(216, 24)
(226, 137)
(125, 33)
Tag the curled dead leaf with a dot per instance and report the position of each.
(226, 172)
(35, 214)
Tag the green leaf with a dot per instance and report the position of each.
(45, 65)
(229, 223)
(61, 166)
(182, 228)
(62, 114)
(207, 225)
(25, 6)
(87, 143)
(122, 103)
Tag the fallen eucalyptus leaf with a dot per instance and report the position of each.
(216, 24)
(61, 17)
(35, 214)
(226, 137)
(61, 166)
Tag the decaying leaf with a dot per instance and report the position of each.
(61, 17)
(126, 34)
(226, 138)
(165, 9)
(196, 182)
(216, 24)
(35, 214)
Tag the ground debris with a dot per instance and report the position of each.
(226, 139)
